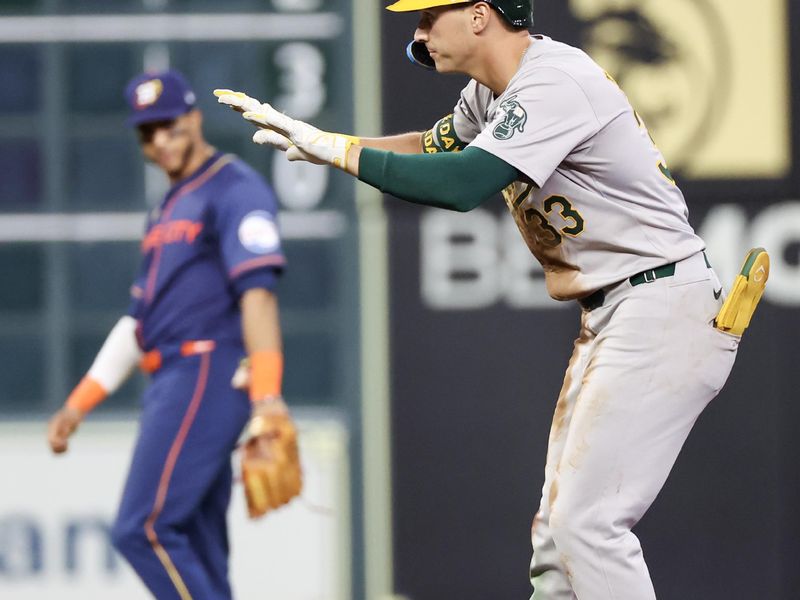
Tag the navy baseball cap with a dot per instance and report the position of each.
(158, 97)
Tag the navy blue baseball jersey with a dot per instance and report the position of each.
(213, 237)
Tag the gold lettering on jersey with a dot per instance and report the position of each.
(516, 201)
(567, 212)
(509, 194)
(662, 164)
(664, 170)
(536, 223)
(545, 233)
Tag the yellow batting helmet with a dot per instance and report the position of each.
(517, 12)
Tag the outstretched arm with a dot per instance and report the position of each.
(452, 180)
(405, 143)
(458, 181)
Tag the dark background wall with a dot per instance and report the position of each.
(474, 390)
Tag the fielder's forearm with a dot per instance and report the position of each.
(261, 330)
(457, 181)
(115, 362)
(405, 143)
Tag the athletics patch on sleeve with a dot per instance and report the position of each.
(514, 119)
(258, 232)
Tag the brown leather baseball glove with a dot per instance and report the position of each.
(271, 470)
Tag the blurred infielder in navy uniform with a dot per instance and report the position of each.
(596, 204)
(203, 300)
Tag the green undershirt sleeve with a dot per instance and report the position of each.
(451, 180)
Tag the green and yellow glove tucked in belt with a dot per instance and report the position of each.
(739, 306)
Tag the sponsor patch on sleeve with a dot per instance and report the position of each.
(258, 232)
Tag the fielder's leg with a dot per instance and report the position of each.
(208, 533)
(190, 423)
(548, 572)
(655, 364)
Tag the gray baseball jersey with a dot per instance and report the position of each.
(596, 204)
(592, 218)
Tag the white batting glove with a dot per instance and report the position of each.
(299, 140)
(242, 103)
(238, 101)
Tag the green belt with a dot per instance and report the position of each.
(653, 274)
(596, 299)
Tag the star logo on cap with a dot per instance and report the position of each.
(147, 93)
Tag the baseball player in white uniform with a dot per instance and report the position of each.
(598, 207)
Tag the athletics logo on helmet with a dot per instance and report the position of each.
(517, 12)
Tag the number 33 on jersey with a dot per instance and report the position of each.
(587, 216)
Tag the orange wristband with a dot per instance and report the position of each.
(86, 395)
(266, 373)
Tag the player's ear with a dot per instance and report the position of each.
(481, 14)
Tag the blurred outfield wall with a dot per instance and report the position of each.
(73, 196)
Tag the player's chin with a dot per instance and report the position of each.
(174, 172)
(443, 65)
(171, 166)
